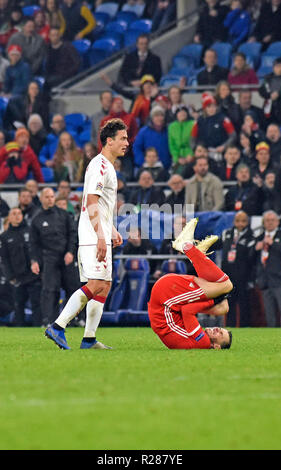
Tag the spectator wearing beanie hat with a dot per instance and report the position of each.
(142, 97)
(18, 73)
(13, 169)
(154, 134)
(262, 163)
(27, 154)
(213, 129)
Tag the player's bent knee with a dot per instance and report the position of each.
(229, 286)
(99, 287)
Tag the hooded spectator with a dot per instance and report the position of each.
(13, 169)
(179, 133)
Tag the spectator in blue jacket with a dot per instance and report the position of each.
(238, 23)
(18, 73)
(155, 134)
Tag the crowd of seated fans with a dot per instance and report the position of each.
(223, 155)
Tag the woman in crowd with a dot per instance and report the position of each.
(66, 159)
(21, 108)
(42, 27)
(13, 25)
(54, 15)
(241, 72)
(89, 152)
(227, 104)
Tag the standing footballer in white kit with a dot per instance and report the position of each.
(96, 232)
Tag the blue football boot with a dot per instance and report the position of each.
(57, 336)
(93, 345)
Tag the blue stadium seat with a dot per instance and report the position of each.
(274, 49)
(143, 25)
(223, 50)
(110, 8)
(174, 266)
(84, 137)
(168, 80)
(40, 80)
(117, 37)
(48, 174)
(252, 50)
(82, 46)
(181, 72)
(30, 10)
(126, 16)
(266, 64)
(130, 37)
(102, 49)
(183, 61)
(117, 26)
(3, 105)
(75, 121)
(137, 9)
(131, 293)
(101, 19)
(194, 51)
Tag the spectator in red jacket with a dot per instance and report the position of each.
(13, 169)
(241, 73)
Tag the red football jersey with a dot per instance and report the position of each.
(175, 300)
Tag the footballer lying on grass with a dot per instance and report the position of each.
(176, 299)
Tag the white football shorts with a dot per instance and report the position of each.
(90, 267)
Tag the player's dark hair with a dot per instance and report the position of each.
(110, 129)
(227, 345)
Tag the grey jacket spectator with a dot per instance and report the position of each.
(204, 190)
(32, 44)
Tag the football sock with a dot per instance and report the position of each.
(89, 340)
(203, 265)
(75, 304)
(94, 311)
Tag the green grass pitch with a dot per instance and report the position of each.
(139, 395)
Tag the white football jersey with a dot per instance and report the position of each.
(100, 179)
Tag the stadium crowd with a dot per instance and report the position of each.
(193, 151)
